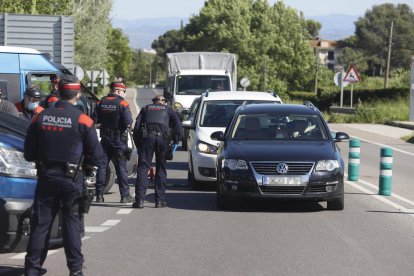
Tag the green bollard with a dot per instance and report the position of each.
(353, 160)
(385, 179)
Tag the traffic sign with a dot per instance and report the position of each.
(352, 75)
(92, 74)
(104, 77)
(78, 72)
(338, 77)
(244, 82)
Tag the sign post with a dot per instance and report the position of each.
(338, 80)
(244, 82)
(352, 77)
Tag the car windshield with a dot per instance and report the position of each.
(198, 84)
(278, 127)
(219, 113)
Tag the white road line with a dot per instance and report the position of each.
(95, 229)
(381, 145)
(135, 101)
(124, 211)
(111, 222)
(381, 198)
(21, 256)
(392, 194)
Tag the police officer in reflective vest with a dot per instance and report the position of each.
(114, 116)
(151, 133)
(58, 139)
(29, 106)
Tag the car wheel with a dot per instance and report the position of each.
(196, 185)
(336, 204)
(222, 202)
(110, 177)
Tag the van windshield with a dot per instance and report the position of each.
(198, 84)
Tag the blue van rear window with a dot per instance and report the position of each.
(32, 62)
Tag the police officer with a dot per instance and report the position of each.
(58, 139)
(30, 105)
(114, 116)
(151, 133)
(54, 93)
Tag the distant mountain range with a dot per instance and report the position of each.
(142, 32)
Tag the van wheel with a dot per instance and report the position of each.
(110, 177)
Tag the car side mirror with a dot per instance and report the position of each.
(185, 112)
(218, 135)
(341, 136)
(188, 124)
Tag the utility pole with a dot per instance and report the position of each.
(387, 72)
(317, 71)
(265, 74)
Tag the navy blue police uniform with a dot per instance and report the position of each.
(151, 132)
(114, 116)
(57, 140)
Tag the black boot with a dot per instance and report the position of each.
(138, 204)
(161, 204)
(76, 273)
(99, 198)
(127, 199)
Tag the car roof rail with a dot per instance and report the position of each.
(244, 104)
(310, 105)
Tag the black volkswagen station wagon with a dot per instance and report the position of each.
(281, 152)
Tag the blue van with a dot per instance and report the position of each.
(22, 67)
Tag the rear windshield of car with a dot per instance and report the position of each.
(278, 127)
(219, 113)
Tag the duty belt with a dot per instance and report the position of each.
(111, 132)
(155, 133)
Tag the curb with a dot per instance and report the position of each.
(407, 124)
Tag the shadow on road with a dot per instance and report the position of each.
(206, 201)
(15, 270)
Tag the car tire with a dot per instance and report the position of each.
(194, 184)
(337, 204)
(222, 202)
(110, 177)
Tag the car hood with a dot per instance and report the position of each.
(280, 150)
(9, 140)
(204, 133)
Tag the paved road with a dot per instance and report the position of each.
(191, 237)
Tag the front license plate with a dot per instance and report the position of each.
(283, 180)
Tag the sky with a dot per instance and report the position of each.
(138, 9)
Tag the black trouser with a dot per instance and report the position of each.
(53, 191)
(147, 148)
(114, 150)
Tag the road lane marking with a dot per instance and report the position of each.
(95, 229)
(135, 101)
(111, 222)
(381, 145)
(86, 238)
(392, 194)
(381, 198)
(21, 256)
(124, 211)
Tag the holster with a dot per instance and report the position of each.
(128, 153)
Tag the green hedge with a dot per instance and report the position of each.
(324, 100)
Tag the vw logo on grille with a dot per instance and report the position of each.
(282, 168)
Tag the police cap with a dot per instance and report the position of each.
(117, 85)
(69, 88)
(33, 91)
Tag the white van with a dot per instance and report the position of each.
(209, 113)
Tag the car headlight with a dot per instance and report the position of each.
(235, 164)
(327, 165)
(178, 106)
(12, 163)
(206, 148)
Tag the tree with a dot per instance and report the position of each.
(61, 7)
(119, 53)
(313, 27)
(140, 66)
(373, 33)
(91, 29)
(270, 41)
